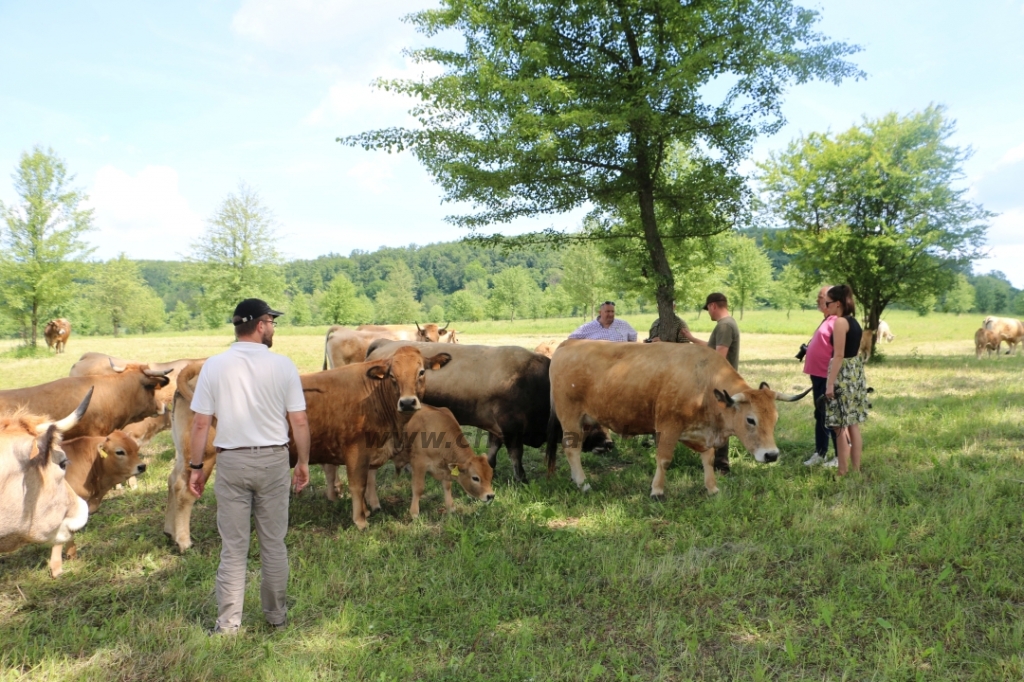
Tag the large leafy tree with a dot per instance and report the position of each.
(514, 291)
(749, 271)
(118, 293)
(41, 250)
(236, 257)
(552, 105)
(877, 207)
(583, 276)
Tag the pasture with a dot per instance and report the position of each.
(911, 570)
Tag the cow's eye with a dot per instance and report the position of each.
(422, 372)
(476, 479)
(121, 453)
(751, 421)
(63, 464)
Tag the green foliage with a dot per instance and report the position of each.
(181, 317)
(551, 106)
(514, 291)
(876, 207)
(464, 305)
(436, 313)
(340, 304)
(583, 277)
(748, 271)
(790, 290)
(236, 258)
(120, 297)
(960, 299)
(395, 303)
(41, 249)
(993, 293)
(299, 313)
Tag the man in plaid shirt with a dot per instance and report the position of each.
(605, 327)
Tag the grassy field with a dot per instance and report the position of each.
(911, 570)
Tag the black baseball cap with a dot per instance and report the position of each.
(716, 298)
(250, 309)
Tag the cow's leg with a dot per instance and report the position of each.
(494, 444)
(56, 564)
(371, 491)
(514, 445)
(331, 474)
(666, 447)
(179, 506)
(572, 443)
(356, 465)
(419, 485)
(707, 458)
(446, 483)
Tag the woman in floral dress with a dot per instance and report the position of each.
(846, 391)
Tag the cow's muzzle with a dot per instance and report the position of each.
(140, 469)
(408, 404)
(766, 456)
(489, 497)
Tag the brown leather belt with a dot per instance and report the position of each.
(252, 448)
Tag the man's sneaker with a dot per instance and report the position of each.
(832, 463)
(814, 460)
(217, 631)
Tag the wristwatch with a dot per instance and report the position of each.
(196, 467)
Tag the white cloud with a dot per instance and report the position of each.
(1006, 246)
(297, 24)
(143, 215)
(347, 98)
(1012, 156)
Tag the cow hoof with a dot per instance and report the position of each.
(585, 488)
(712, 491)
(658, 497)
(375, 510)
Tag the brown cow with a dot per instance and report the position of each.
(679, 392)
(95, 465)
(118, 400)
(1008, 329)
(37, 505)
(57, 333)
(98, 364)
(434, 444)
(344, 346)
(353, 413)
(547, 348)
(985, 339)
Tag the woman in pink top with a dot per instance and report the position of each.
(819, 352)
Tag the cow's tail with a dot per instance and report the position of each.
(187, 377)
(554, 437)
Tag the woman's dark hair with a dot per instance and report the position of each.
(844, 294)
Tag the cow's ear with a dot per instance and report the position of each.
(45, 443)
(438, 361)
(377, 372)
(764, 385)
(442, 332)
(454, 471)
(101, 451)
(724, 397)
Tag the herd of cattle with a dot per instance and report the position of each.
(384, 395)
(994, 332)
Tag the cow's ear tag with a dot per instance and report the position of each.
(99, 448)
(455, 471)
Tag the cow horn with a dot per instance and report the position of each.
(418, 327)
(446, 325)
(69, 421)
(739, 398)
(786, 397)
(115, 367)
(157, 372)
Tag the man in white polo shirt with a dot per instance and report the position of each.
(255, 395)
(605, 327)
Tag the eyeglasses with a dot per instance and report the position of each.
(270, 321)
(828, 303)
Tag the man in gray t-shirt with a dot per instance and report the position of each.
(725, 339)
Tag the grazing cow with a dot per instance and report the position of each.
(354, 412)
(57, 333)
(37, 505)
(1008, 329)
(95, 465)
(884, 332)
(503, 390)
(119, 399)
(547, 348)
(985, 339)
(434, 444)
(678, 392)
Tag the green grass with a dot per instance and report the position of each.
(911, 570)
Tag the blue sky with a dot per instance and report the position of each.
(161, 109)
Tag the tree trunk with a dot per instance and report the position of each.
(872, 318)
(35, 322)
(665, 284)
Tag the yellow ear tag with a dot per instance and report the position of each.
(103, 453)
(455, 471)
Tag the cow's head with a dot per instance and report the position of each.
(119, 455)
(475, 477)
(407, 370)
(750, 415)
(430, 333)
(150, 381)
(33, 467)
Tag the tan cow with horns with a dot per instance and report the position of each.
(678, 392)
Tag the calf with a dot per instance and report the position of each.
(985, 339)
(95, 465)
